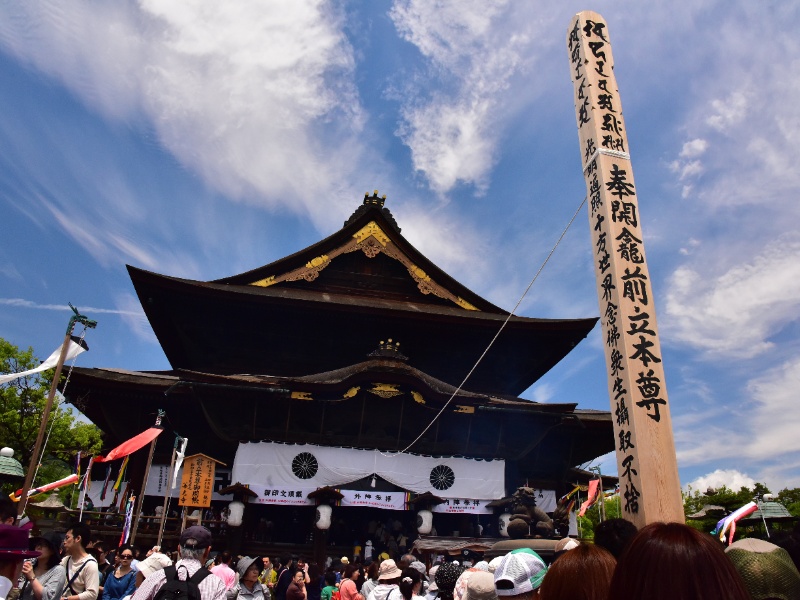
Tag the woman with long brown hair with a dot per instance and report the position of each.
(672, 561)
(583, 573)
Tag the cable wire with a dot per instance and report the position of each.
(508, 318)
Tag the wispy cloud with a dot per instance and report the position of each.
(453, 134)
(88, 310)
(246, 95)
(735, 313)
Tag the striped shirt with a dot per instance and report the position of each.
(211, 588)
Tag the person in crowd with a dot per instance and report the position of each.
(446, 577)
(194, 547)
(330, 586)
(269, 576)
(420, 567)
(297, 588)
(666, 561)
(122, 581)
(519, 574)
(614, 535)
(104, 567)
(223, 569)
(767, 570)
(83, 579)
(410, 584)
(388, 579)
(249, 586)
(481, 587)
(348, 588)
(582, 573)
(44, 577)
(370, 579)
(565, 545)
(303, 566)
(154, 562)
(8, 511)
(285, 577)
(15, 550)
(433, 590)
(314, 582)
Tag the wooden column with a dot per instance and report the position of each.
(646, 461)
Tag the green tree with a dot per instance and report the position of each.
(22, 403)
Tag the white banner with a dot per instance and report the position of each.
(387, 500)
(157, 482)
(73, 350)
(286, 466)
(288, 496)
(545, 499)
(463, 505)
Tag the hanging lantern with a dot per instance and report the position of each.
(323, 519)
(424, 521)
(503, 524)
(236, 510)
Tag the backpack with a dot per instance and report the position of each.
(336, 595)
(175, 588)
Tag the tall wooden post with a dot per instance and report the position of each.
(646, 461)
(140, 500)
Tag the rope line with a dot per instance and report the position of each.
(491, 343)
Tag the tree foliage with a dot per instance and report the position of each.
(22, 403)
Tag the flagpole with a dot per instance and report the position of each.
(140, 499)
(168, 491)
(37, 448)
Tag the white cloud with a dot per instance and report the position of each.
(694, 148)
(773, 418)
(475, 48)
(133, 315)
(728, 112)
(730, 478)
(245, 94)
(735, 313)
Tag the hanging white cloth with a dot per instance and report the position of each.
(73, 350)
(271, 464)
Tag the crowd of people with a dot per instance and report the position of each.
(666, 561)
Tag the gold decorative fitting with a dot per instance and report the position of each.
(301, 396)
(417, 397)
(351, 392)
(385, 390)
(266, 282)
(316, 262)
(464, 304)
(418, 274)
(371, 229)
(467, 410)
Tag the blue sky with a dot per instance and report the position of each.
(201, 139)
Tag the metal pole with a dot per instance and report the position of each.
(140, 499)
(37, 448)
(168, 492)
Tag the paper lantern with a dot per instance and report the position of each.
(236, 510)
(503, 524)
(323, 520)
(424, 521)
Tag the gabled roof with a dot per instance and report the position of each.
(371, 230)
(324, 307)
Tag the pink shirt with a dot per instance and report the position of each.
(225, 573)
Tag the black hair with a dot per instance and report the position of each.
(330, 578)
(408, 580)
(614, 535)
(81, 530)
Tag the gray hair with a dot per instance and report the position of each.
(192, 553)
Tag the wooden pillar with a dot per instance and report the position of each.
(646, 461)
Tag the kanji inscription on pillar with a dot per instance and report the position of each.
(645, 449)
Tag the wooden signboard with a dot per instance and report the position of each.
(197, 481)
(646, 462)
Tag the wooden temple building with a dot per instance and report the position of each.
(357, 341)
